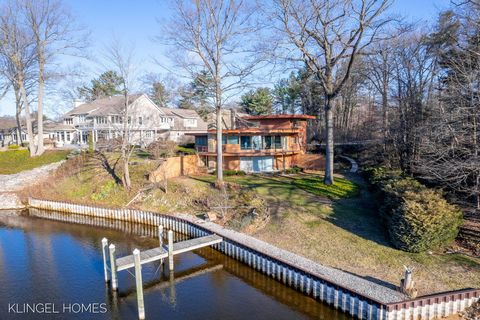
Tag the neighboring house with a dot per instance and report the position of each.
(7, 125)
(256, 143)
(102, 119)
(10, 134)
(186, 123)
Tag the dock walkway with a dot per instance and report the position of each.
(160, 253)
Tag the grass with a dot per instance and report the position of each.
(14, 161)
(341, 188)
(83, 180)
(338, 226)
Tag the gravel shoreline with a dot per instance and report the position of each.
(364, 287)
(18, 181)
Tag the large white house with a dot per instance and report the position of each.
(103, 120)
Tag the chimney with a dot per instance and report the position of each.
(232, 119)
(77, 102)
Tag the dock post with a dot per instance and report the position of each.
(113, 267)
(170, 250)
(105, 254)
(160, 235)
(138, 281)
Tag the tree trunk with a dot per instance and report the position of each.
(126, 171)
(28, 120)
(18, 114)
(219, 147)
(328, 179)
(41, 89)
(385, 114)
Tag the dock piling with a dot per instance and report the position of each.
(138, 281)
(105, 254)
(113, 267)
(170, 250)
(160, 235)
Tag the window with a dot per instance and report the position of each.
(102, 120)
(140, 120)
(68, 121)
(278, 142)
(148, 133)
(201, 140)
(190, 122)
(129, 119)
(117, 119)
(267, 142)
(229, 139)
(68, 136)
(246, 142)
(232, 139)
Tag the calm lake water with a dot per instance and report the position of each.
(58, 266)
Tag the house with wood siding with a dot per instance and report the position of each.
(256, 143)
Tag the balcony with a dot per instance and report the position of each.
(232, 150)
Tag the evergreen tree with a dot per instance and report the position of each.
(106, 85)
(257, 102)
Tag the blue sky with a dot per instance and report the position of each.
(135, 23)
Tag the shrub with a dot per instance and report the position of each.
(423, 220)
(185, 150)
(417, 218)
(228, 173)
(293, 170)
(13, 147)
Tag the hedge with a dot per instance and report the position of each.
(417, 218)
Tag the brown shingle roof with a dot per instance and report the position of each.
(103, 106)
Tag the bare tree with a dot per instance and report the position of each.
(327, 36)
(18, 61)
(121, 60)
(211, 36)
(378, 69)
(53, 31)
(413, 73)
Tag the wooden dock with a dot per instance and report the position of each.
(160, 253)
(137, 259)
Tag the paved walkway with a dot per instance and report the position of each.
(354, 164)
(18, 181)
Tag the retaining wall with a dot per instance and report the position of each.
(175, 167)
(351, 294)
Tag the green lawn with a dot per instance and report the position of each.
(14, 161)
(338, 226)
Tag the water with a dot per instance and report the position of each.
(57, 267)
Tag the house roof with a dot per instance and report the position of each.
(185, 113)
(279, 116)
(103, 106)
(7, 123)
(59, 126)
(167, 111)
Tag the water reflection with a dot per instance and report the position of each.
(61, 263)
